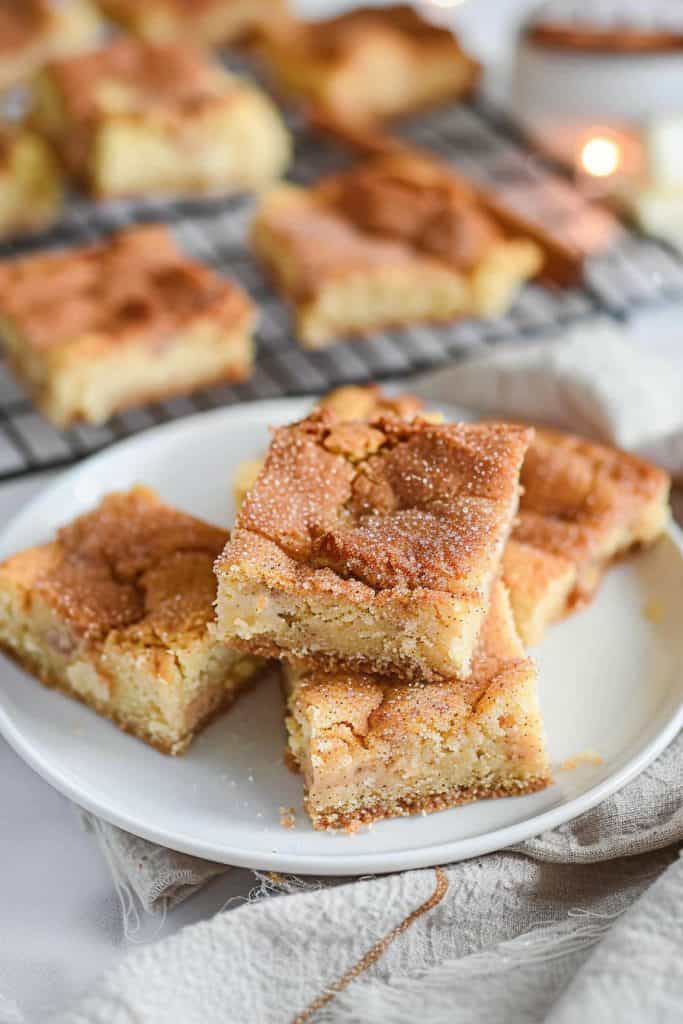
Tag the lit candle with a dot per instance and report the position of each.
(600, 156)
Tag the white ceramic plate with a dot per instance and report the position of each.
(610, 679)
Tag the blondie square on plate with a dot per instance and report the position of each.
(368, 65)
(206, 22)
(371, 545)
(373, 748)
(588, 503)
(135, 118)
(92, 330)
(31, 186)
(33, 31)
(117, 611)
(396, 240)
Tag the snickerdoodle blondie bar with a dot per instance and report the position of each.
(92, 330)
(134, 118)
(368, 65)
(588, 503)
(117, 611)
(373, 545)
(373, 748)
(396, 240)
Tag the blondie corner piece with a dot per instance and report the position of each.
(117, 611)
(136, 119)
(34, 31)
(396, 240)
(207, 23)
(31, 185)
(371, 546)
(93, 330)
(372, 748)
(369, 65)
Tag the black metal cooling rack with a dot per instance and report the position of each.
(481, 143)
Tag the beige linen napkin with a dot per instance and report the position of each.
(566, 927)
(147, 877)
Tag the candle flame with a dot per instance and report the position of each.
(600, 156)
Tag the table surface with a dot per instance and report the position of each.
(53, 879)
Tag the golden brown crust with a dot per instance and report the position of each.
(416, 201)
(162, 90)
(391, 504)
(321, 245)
(577, 494)
(320, 60)
(403, 807)
(136, 283)
(131, 75)
(583, 505)
(133, 565)
(466, 219)
(399, 215)
(587, 503)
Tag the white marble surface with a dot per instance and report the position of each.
(60, 920)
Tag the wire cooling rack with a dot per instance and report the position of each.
(481, 143)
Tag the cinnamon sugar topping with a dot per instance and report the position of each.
(408, 198)
(130, 75)
(133, 565)
(136, 281)
(391, 504)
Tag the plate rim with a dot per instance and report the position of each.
(301, 863)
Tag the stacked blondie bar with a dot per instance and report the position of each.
(373, 734)
(366, 556)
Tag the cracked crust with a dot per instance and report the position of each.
(371, 543)
(118, 611)
(94, 329)
(372, 748)
(137, 281)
